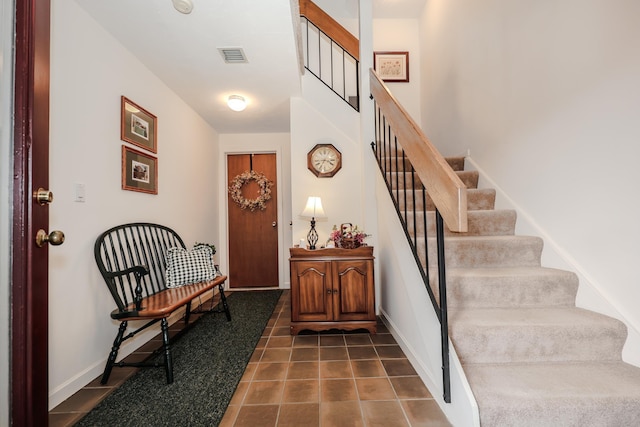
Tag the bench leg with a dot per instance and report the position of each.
(114, 353)
(168, 362)
(223, 299)
(187, 314)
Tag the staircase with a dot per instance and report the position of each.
(531, 357)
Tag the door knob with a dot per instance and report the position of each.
(54, 238)
(273, 224)
(42, 196)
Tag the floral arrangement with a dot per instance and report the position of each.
(347, 236)
(264, 193)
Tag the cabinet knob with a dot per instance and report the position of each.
(329, 291)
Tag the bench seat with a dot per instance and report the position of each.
(164, 303)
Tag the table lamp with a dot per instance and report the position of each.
(313, 210)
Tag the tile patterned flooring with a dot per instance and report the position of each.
(327, 379)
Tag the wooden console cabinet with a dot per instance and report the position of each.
(332, 288)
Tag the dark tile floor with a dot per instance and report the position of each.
(321, 379)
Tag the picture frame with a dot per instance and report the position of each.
(392, 66)
(138, 126)
(139, 171)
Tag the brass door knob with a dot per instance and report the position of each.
(54, 238)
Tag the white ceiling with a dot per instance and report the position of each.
(182, 50)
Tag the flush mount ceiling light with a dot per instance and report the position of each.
(183, 6)
(237, 103)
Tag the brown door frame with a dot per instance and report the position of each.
(29, 285)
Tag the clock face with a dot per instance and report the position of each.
(324, 160)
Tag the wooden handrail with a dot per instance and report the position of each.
(446, 189)
(330, 27)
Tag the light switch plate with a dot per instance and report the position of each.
(80, 193)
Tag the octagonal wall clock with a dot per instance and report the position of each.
(324, 160)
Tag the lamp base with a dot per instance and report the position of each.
(312, 237)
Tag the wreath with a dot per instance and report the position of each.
(264, 194)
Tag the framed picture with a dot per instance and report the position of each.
(139, 171)
(392, 66)
(138, 126)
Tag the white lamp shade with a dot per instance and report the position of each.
(313, 209)
(237, 103)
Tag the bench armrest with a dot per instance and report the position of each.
(139, 271)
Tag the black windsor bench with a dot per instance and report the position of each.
(133, 260)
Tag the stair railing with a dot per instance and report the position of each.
(331, 53)
(405, 155)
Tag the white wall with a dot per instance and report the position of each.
(280, 144)
(6, 166)
(402, 35)
(90, 70)
(546, 97)
(345, 12)
(342, 198)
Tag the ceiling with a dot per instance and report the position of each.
(182, 50)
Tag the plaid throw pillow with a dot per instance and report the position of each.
(185, 267)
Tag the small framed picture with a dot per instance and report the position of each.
(138, 126)
(392, 66)
(139, 171)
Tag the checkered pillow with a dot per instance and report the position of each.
(185, 267)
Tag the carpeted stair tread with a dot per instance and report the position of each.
(509, 287)
(487, 251)
(556, 394)
(519, 334)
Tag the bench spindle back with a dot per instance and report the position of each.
(130, 245)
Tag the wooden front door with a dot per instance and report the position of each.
(29, 284)
(253, 235)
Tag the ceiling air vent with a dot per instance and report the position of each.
(232, 55)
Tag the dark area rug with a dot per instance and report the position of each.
(209, 361)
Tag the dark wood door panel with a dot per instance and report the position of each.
(253, 235)
(312, 293)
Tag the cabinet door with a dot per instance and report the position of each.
(311, 291)
(354, 297)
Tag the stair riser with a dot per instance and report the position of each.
(513, 251)
(395, 163)
(476, 199)
(528, 291)
(480, 223)
(456, 163)
(468, 178)
(537, 343)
